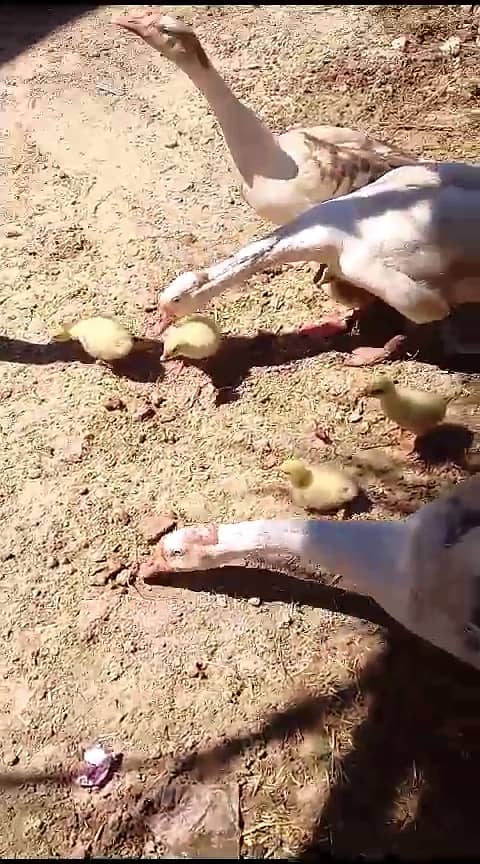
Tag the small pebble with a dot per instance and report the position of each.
(400, 43)
(114, 403)
(356, 414)
(221, 600)
(145, 412)
(13, 231)
(254, 601)
(322, 434)
(157, 399)
(100, 579)
(197, 670)
(114, 566)
(168, 437)
(130, 646)
(52, 562)
(269, 461)
(262, 446)
(154, 527)
(121, 516)
(451, 46)
(11, 758)
(238, 438)
(124, 578)
(70, 450)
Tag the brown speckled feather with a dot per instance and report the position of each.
(350, 167)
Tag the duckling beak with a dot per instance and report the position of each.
(168, 354)
(162, 324)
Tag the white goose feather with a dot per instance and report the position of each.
(409, 239)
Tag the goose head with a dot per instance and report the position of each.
(190, 548)
(169, 36)
(185, 295)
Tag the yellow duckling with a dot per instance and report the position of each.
(196, 337)
(102, 337)
(413, 410)
(319, 487)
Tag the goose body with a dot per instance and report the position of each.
(423, 570)
(409, 239)
(281, 175)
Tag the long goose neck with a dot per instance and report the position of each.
(310, 237)
(254, 149)
(368, 555)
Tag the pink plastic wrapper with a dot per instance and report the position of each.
(99, 768)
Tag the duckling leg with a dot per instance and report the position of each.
(321, 276)
(406, 442)
(104, 365)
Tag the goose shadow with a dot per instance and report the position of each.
(19, 32)
(143, 366)
(379, 323)
(408, 785)
(238, 355)
(273, 586)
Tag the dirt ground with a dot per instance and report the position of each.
(337, 733)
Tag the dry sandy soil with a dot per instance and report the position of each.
(334, 732)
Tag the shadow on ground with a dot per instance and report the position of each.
(238, 355)
(408, 786)
(145, 366)
(23, 26)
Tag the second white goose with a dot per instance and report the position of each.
(410, 239)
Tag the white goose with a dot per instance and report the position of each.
(282, 175)
(410, 238)
(424, 571)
